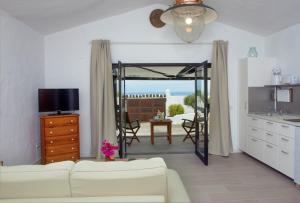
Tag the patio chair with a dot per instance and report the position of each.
(189, 127)
(131, 127)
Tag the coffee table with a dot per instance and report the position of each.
(165, 122)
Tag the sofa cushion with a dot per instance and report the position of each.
(139, 177)
(114, 199)
(36, 181)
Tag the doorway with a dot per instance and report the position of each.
(127, 105)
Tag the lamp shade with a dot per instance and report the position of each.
(189, 20)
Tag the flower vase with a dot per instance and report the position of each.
(108, 158)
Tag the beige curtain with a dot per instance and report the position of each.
(103, 123)
(220, 142)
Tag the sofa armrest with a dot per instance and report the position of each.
(176, 190)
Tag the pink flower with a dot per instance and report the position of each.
(108, 149)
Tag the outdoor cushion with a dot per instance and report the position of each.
(134, 124)
(189, 124)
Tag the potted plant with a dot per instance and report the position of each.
(108, 150)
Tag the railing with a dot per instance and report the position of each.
(139, 96)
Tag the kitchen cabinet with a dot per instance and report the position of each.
(272, 143)
(258, 71)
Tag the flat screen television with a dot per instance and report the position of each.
(58, 100)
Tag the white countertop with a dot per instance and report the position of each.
(277, 118)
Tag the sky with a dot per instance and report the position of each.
(159, 86)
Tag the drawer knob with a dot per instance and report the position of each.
(73, 157)
(270, 123)
(269, 134)
(254, 140)
(253, 129)
(52, 151)
(71, 121)
(73, 139)
(284, 139)
(51, 142)
(271, 147)
(284, 152)
(51, 132)
(50, 122)
(73, 148)
(52, 161)
(72, 130)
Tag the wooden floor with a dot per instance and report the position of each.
(238, 179)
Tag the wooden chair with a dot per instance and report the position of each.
(189, 127)
(131, 127)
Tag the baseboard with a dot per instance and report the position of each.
(38, 162)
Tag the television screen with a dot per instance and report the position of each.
(58, 100)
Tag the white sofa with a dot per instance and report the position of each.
(88, 181)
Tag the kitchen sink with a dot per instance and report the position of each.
(296, 120)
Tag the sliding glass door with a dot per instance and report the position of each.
(201, 112)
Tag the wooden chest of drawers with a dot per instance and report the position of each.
(60, 138)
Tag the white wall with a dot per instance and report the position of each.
(67, 55)
(21, 74)
(284, 46)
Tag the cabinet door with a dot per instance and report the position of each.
(255, 147)
(286, 130)
(271, 138)
(250, 145)
(270, 155)
(256, 132)
(255, 122)
(286, 162)
(270, 126)
(260, 71)
(286, 143)
(286, 154)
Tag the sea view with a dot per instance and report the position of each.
(176, 88)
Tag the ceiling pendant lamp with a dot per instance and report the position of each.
(189, 18)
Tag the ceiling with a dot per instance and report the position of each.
(262, 17)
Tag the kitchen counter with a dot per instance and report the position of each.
(277, 118)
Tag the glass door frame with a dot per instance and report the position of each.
(120, 107)
(121, 68)
(202, 153)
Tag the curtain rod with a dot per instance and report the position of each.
(161, 43)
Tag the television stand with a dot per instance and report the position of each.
(60, 139)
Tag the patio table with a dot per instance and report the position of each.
(165, 122)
